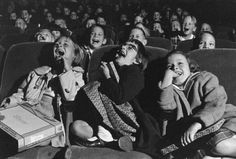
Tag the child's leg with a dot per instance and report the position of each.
(81, 129)
(209, 157)
(226, 147)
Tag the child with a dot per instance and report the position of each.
(175, 32)
(44, 35)
(196, 98)
(41, 87)
(157, 30)
(96, 39)
(206, 40)
(113, 100)
(139, 34)
(206, 27)
(188, 28)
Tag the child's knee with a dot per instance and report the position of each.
(81, 129)
(225, 147)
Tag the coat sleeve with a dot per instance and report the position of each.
(213, 100)
(71, 82)
(130, 84)
(18, 96)
(167, 102)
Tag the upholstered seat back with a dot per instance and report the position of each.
(20, 60)
(222, 63)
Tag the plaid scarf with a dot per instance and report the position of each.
(119, 117)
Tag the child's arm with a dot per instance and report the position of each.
(71, 81)
(168, 79)
(166, 100)
(213, 100)
(17, 97)
(130, 84)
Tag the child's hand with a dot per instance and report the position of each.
(168, 78)
(5, 103)
(105, 70)
(188, 136)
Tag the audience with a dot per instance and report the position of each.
(79, 28)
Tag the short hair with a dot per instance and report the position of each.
(100, 26)
(193, 65)
(139, 28)
(193, 18)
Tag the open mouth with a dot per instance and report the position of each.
(186, 29)
(95, 41)
(59, 53)
(179, 73)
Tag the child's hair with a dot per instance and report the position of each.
(197, 40)
(193, 18)
(89, 31)
(139, 28)
(101, 26)
(193, 66)
(142, 56)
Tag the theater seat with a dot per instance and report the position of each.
(221, 62)
(154, 72)
(2, 57)
(189, 45)
(8, 40)
(159, 42)
(20, 60)
(186, 45)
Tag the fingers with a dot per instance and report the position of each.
(103, 65)
(186, 139)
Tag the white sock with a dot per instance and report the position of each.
(104, 134)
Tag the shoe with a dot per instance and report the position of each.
(87, 143)
(125, 143)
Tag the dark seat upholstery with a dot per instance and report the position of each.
(2, 58)
(154, 72)
(159, 42)
(189, 45)
(20, 60)
(221, 62)
(186, 45)
(10, 39)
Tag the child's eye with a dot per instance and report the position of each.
(212, 44)
(65, 45)
(180, 63)
(169, 66)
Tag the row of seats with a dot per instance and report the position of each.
(24, 57)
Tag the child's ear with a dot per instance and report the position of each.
(194, 29)
(145, 42)
(104, 41)
(137, 61)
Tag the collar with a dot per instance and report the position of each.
(181, 38)
(184, 85)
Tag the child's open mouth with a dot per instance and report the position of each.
(95, 41)
(59, 54)
(186, 29)
(179, 73)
